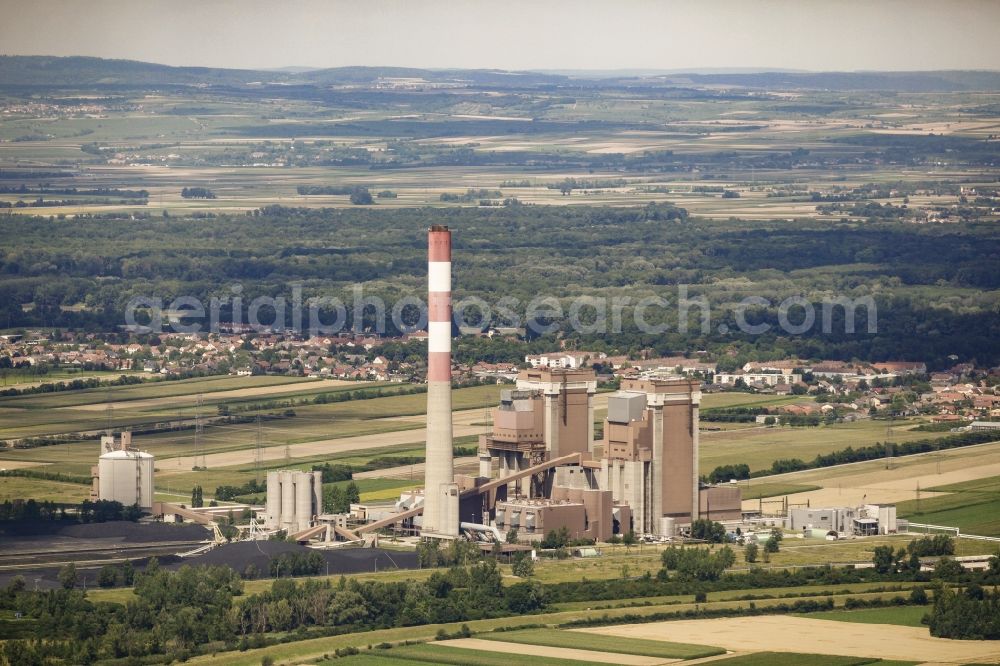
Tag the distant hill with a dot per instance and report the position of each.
(943, 81)
(87, 71)
(90, 72)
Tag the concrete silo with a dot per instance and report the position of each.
(294, 499)
(126, 477)
(272, 507)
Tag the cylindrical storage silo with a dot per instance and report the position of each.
(272, 515)
(317, 492)
(146, 466)
(287, 500)
(303, 500)
(126, 477)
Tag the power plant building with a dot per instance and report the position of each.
(541, 467)
(642, 476)
(650, 451)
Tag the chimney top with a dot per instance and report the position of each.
(439, 227)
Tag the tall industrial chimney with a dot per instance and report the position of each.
(440, 517)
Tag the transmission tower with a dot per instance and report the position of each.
(259, 450)
(109, 411)
(199, 453)
(888, 445)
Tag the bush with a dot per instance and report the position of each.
(724, 473)
(107, 577)
(523, 566)
(772, 545)
(935, 546)
(360, 196)
(708, 530)
(197, 193)
(697, 563)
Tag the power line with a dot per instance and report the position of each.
(259, 452)
(199, 451)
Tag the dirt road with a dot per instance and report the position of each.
(797, 634)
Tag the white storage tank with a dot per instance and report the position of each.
(126, 477)
(272, 514)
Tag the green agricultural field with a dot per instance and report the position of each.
(20, 380)
(147, 390)
(734, 399)
(311, 423)
(379, 658)
(972, 506)
(760, 446)
(796, 659)
(906, 616)
(388, 494)
(237, 475)
(134, 405)
(461, 656)
(14, 487)
(600, 643)
(754, 489)
(786, 593)
(312, 649)
(71, 458)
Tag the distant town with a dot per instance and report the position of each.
(830, 389)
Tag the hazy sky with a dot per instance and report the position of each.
(515, 34)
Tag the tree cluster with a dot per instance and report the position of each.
(725, 473)
(197, 193)
(970, 614)
(704, 529)
(698, 563)
(338, 499)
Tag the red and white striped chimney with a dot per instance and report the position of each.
(440, 516)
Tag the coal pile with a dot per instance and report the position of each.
(128, 532)
(118, 531)
(239, 556)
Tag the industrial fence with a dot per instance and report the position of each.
(923, 528)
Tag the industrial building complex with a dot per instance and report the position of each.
(542, 465)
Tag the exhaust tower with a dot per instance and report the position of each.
(440, 518)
